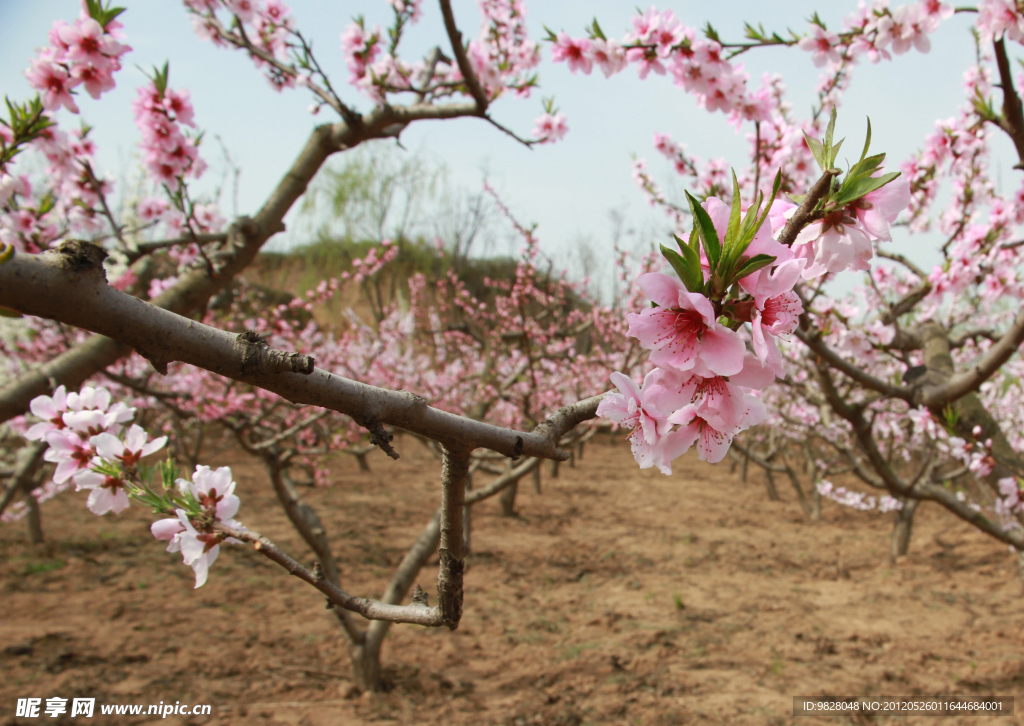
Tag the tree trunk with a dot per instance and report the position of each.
(536, 480)
(508, 500)
(769, 485)
(902, 523)
(33, 519)
(366, 669)
(364, 465)
(467, 514)
(804, 504)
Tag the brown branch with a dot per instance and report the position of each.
(921, 490)
(1012, 121)
(468, 75)
(804, 214)
(960, 384)
(813, 340)
(244, 240)
(452, 547)
(144, 248)
(60, 286)
(371, 609)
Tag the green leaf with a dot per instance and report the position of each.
(752, 222)
(854, 189)
(750, 266)
(596, 31)
(732, 230)
(830, 129)
(708, 234)
(692, 278)
(817, 150)
(867, 143)
(835, 153)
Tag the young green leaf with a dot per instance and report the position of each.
(733, 228)
(854, 189)
(708, 234)
(682, 269)
(750, 266)
(867, 142)
(817, 150)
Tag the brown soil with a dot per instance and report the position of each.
(616, 597)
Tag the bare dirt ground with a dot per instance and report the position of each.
(616, 597)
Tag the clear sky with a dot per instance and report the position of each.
(568, 188)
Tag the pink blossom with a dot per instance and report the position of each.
(199, 550)
(727, 405)
(696, 424)
(637, 409)
(131, 450)
(89, 398)
(609, 56)
(244, 9)
(214, 490)
(168, 530)
(823, 44)
(151, 209)
(549, 128)
(51, 410)
(70, 452)
(574, 52)
(683, 331)
(1010, 490)
(179, 104)
(85, 42)
(833, 244)
(997, 18)
(55, 82)
(879, 209)
(108, 493)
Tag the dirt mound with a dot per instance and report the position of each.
(617, 596)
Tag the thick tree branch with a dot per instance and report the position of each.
(960, 384)
(246, 237)
(65, 285)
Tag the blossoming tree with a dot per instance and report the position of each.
(908, 383)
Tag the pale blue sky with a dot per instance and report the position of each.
(567, 188)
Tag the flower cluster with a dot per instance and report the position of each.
(661, 43)
(212, 494)
(83, 429)
(858, 500)
(842, 239)
(86, 440)
(705, 382)
(169, 154)
(550, 127)
(86, 53)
